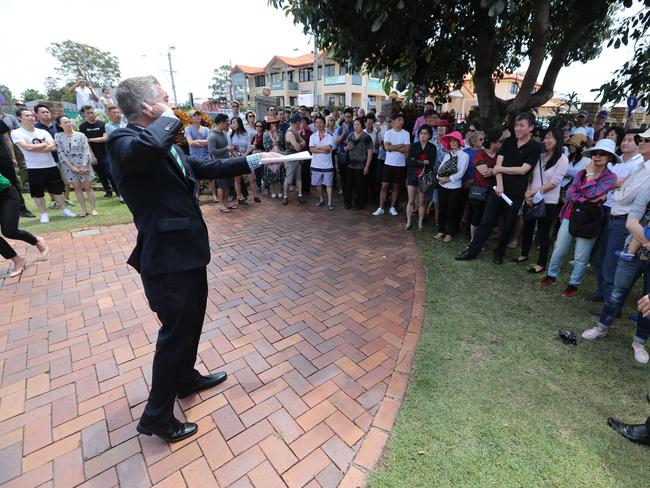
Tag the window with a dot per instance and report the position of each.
(330, 100)
(260, 80)
(306, 74)
(290, 75)
(276, 77)
(514, 88)
(329, 70)
(342, 69)
(320, 73)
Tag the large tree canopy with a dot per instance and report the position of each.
(433, 44)
(633, 78)
(99, 68)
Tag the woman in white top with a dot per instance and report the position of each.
(545, 179)
(450, 177)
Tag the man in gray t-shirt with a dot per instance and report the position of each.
(218, 148)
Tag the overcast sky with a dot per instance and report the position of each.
(206, 35)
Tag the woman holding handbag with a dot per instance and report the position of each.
(419, 173)
(582, 215)
(484, 160)
(450, 176)
(542, 198)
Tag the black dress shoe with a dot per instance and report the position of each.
(27, 214)
(203, 383)
(465, 255)
(635, 433)
(498, 259)
(175, 432)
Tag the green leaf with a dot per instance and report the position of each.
(376, 25)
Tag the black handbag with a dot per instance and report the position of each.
(449, 167)
(586, 220)
(536, 211)
(425, 182)
(478, 193)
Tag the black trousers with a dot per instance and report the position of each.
(494, 207)
(9, 214)
(372, 181)
(543, 234)
(8, 171)
(103, 170)
(354, 184)
(449, 202)
(179, 299)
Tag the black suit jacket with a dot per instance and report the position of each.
(172, 235)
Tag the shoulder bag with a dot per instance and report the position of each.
(536, 211)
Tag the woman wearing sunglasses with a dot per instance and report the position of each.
(589, 187)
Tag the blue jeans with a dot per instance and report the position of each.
(606, 260)
(561, 249)
(627, 272)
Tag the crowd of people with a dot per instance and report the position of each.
(575, 187)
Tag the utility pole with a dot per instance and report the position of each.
(171, 72)
(315, 70)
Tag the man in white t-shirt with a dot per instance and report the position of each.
(321, 144)
(582, 128)
(397, 143)
(43, 173)
(84, 93)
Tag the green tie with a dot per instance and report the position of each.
(178, 159)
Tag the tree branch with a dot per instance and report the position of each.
(537, 51)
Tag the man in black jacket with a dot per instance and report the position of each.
(157, 182)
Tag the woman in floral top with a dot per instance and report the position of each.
(590, 186)
(75, 162)
(273, 174)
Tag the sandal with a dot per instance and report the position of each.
(420, 228)
(18, 271)
(536, 270)
(257, 200)
(215, 200)
(94, 213)
(520, 259)
(224, 210)
(44, 254)
(232, 207)
(408, 226)
(448, 238)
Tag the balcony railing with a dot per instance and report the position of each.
(280, 85)
(335, 80)
(356, 79)
(375, 85)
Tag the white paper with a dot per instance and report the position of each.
(301, 156)
(504, 196)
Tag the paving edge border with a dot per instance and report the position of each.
(374, 442)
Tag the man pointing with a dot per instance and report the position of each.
(172, 250)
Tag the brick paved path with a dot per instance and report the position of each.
(314, 322)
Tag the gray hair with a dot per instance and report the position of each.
(132, 92)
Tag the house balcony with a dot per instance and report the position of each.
(282, 85)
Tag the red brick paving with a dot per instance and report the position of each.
(314, 314)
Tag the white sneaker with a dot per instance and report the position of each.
(67, 213)
(595, 332)
(45, 218)
(392, 211)
(379, 211)
(640, 354)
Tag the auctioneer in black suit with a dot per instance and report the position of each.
(157, 182)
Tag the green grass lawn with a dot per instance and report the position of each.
(497, 400)
(110, 211)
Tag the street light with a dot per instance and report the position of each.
(171, 72)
